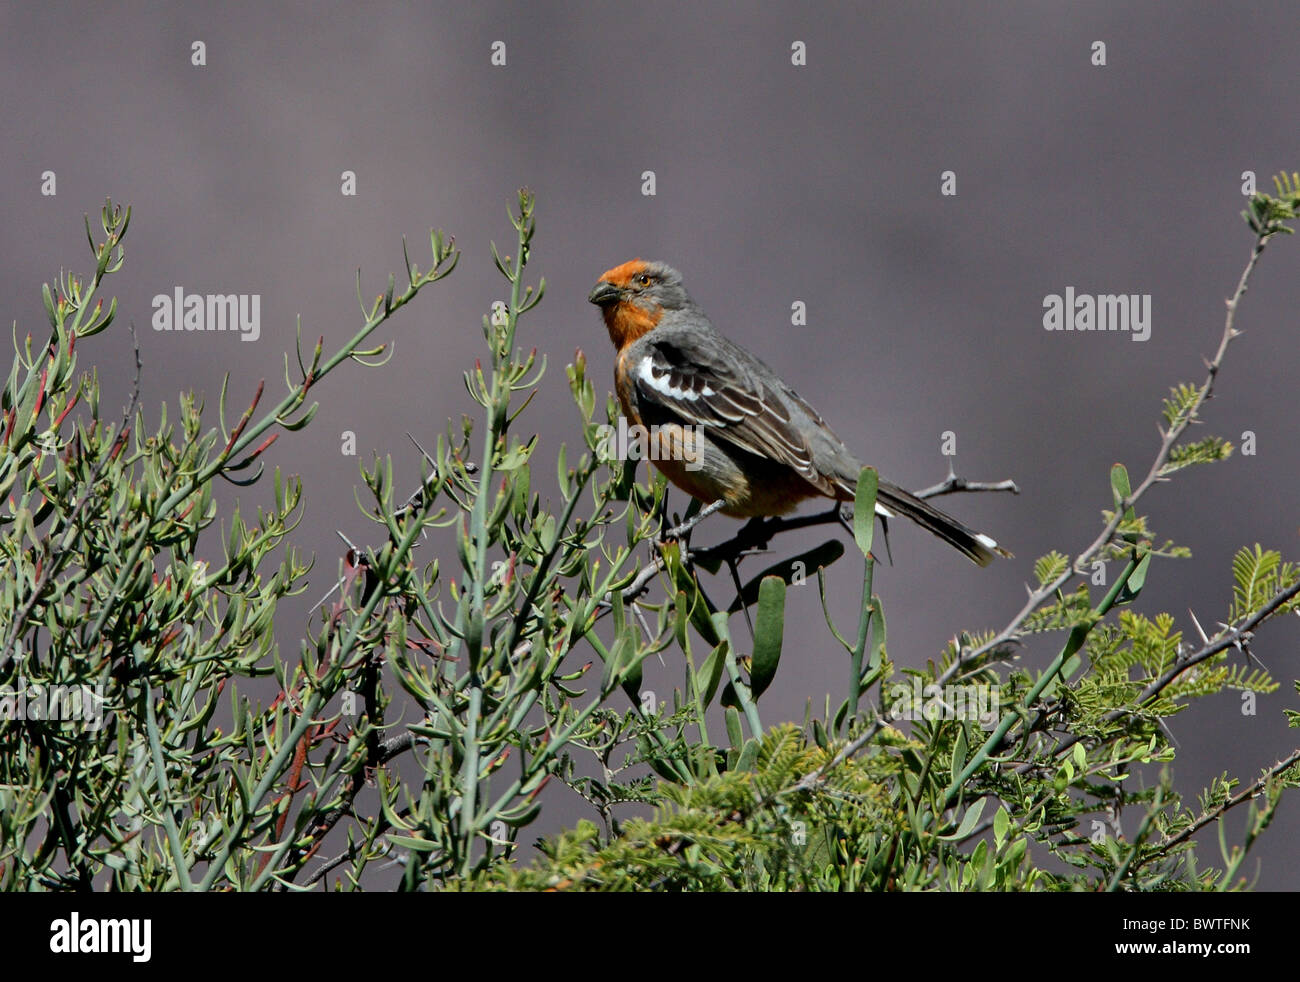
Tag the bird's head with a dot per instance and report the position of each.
(633, 297)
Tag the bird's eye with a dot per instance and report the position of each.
(644, 279)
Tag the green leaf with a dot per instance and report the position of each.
(821, 591)
(1049, 567)
(411, 843)
(1180, 404)
(735, 732)
(968, 821)
(619, 658)
(1207, 451)
(820, 736)
(959, 752)
(700, 611)
(298, 424)
(748, 758)
(1120, 488)
(710, 673)
(517, 456)
(1001, 825)
(769, 630)
(49, 305)
(1136, 579)
(1258, 575)
(864, 509)
(631, 680)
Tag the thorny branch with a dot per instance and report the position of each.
(1213, 814)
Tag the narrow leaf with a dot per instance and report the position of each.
(769, 630)
(864, 509)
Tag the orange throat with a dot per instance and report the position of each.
(626, 322)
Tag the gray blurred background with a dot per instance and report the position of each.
(775, 183)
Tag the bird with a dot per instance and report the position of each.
(728, 428)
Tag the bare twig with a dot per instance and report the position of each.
(677, 531)
(952, 484)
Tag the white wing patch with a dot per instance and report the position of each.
(662, 382)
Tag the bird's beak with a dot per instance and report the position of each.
(604, 292)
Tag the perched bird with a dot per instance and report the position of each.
(728, 428)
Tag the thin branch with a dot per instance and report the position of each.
(677, 531)
(1218, 812)
(952, 484)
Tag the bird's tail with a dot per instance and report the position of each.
(978, 547)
